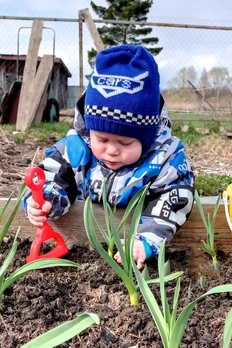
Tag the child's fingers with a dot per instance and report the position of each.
(117, 257)
(32, 203)
(36, 221)
(34, 211)
(140, 263)
(47, 207)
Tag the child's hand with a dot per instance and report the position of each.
(138, 253)
(35, 214)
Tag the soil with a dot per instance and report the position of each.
(46, 298)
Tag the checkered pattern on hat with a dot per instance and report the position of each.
(103, 111)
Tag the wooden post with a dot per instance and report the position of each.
(40, 87)
(92, 29)
(28, 75)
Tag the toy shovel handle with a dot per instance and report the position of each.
(35, 179)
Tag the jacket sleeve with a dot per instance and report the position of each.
(169, 203)
(60, 188)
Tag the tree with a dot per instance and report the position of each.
(204, 80)
(204, 84)
(219, 77)
(180, 80)
(116, 34)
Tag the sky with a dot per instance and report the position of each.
(215, 10)
(205, 50)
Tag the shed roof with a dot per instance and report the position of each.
(13, 57)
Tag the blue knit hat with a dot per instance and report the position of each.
(123, 96)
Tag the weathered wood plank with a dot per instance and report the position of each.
(29, 72)
(92, 29)
(188, 237)
(41, 82)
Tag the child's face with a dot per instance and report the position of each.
(115, 150)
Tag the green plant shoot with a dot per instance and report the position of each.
(170, 326)
(125, 271)
(227, 334)
(208, 246)
(13, 213)
(108, 235)
(63, 332)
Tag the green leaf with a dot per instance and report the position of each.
(63, 332)
(167, 278)
(182, 320)
(91, 234)
(151, 303)
(118, 243)
(145, 273)
(107, 236)
(124, 271)
(227, 332)
(9, 256)
(13, 213)
(200, 208)
(131, 205)
(206, 248)
(165, 305)
(216, 207)
(5, 207)
(135, 220)
(175, 305)
(34, 265)
(167, 268)
(209, 225)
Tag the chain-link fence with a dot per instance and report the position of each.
(194, 64)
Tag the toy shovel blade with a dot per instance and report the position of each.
(43, 234)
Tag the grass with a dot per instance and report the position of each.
(191, 135)
(212, 185)
(201, 119)
(42, 132)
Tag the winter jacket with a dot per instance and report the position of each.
(73, 172)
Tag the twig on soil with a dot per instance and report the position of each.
(33, 160)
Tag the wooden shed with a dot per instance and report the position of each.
(11, 70)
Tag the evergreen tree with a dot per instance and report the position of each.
(116, 34)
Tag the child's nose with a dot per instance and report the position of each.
(112, 150)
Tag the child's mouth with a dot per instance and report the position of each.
(111, 164)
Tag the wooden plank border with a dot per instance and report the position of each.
(71, 226)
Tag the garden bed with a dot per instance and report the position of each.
(45, 298)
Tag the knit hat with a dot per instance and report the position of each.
(123, 96)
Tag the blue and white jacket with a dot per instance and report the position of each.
(73, 172)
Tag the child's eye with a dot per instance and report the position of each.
(126, 144)
(102, 140)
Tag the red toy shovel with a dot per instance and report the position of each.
(35, 179)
